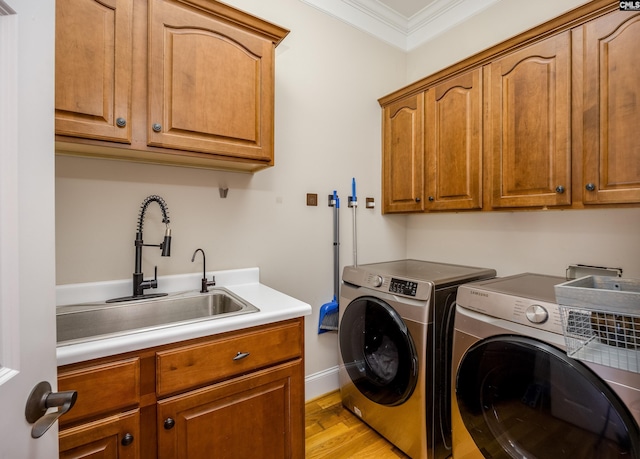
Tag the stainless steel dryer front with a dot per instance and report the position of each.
(395, 349)
(516, 393)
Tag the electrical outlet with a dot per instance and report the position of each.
(370, 203)
(312, 199)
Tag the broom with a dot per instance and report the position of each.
(328, 320)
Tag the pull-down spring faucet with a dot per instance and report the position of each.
(139, 284)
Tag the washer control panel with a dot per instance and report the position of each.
(403, 287)
(409, 288)
(527, 299)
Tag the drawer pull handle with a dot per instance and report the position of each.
(241, 355)
(127, 439)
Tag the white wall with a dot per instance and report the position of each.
(539, 241)
(328, 79)
(503, 20)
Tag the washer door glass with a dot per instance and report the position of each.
(377, 351)
(521, 398)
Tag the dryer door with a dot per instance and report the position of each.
(519, 397)
(378, 352)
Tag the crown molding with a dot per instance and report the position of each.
(376, 18)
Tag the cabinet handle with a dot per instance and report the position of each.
(590, 187)
(559, 189)
(127, 439)
(156, 127)
(241, 355)
(169, 423)
(121, 122)
(418, 199)
(431, 198)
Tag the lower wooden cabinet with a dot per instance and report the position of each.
(253, 416)
(114, 437)
(233, 395)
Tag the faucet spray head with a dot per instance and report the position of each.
(166, 244)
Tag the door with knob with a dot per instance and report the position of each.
(93, 93)
(403, 155)
(453, 143)
(611, 173)
(27, 228)
(528, 127)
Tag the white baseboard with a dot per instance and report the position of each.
(321, 383)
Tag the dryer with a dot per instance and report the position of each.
(395, 325)
(516, 393)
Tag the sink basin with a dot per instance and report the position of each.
(91, 321)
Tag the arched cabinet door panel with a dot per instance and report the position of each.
(611, 172)
(528, 130)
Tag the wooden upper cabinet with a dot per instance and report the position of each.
(403, 155)
(528, 130)
(611, 145)
(211, 85)
(183, 82)
(453, 143)
(93, 69)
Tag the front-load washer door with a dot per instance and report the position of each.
(378, 352)
(521, 398)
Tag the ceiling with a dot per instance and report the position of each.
(402, 23)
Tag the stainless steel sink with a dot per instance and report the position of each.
(91, 321)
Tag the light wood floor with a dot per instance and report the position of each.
(333, 432)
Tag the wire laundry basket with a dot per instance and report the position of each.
(601, 320)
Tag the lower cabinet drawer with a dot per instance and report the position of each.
(194, 365)
(103, 388)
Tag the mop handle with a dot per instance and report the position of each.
(354, 204)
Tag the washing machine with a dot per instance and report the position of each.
(517, 394)
(395, 325)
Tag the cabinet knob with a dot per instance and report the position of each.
(559, 189)
(156, 127)
(169, 423)
(121, 122)
(127, 439)
(418, 199)
(590, 187)
(431, 198)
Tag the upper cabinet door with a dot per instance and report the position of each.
(611, 109)
(528, 125)
(403, 155)
(211, 85)
(453, 143)
(93, 69)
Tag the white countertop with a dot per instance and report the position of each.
(274, 306)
